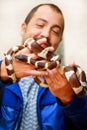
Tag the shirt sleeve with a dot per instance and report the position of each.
(76, 112)
(11, 106)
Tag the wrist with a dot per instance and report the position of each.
(3, 72)
(69, 99)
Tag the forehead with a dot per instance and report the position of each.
(49, 14)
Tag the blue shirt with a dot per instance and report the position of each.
(52, 114)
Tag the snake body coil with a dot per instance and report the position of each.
(75, 75)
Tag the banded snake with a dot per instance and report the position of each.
(75, 75)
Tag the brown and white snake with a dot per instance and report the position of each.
(75, 75)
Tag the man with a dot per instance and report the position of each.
(28, 106)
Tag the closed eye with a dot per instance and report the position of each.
(40, 22)
(56, 32)
(39, 25)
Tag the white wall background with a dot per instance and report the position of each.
(12, 14)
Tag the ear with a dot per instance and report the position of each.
(23, 28)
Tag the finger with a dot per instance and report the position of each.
(50, 78)
(60, 69)
(56, 75)
(38, 73)
(72, 64)
(43, 42)
(24, 73)
(25, 51)
(51, 48)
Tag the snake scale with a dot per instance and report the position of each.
(75, 75)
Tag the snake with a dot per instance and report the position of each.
(75, 75)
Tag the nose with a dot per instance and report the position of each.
(45, 33)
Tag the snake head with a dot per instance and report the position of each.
(21, 57)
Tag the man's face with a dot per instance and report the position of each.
(45, 23)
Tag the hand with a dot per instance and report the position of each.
(59, 85)
(22, 69)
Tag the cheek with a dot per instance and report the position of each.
(34, 34)
(55, 43)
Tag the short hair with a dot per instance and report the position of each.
(53, 6)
